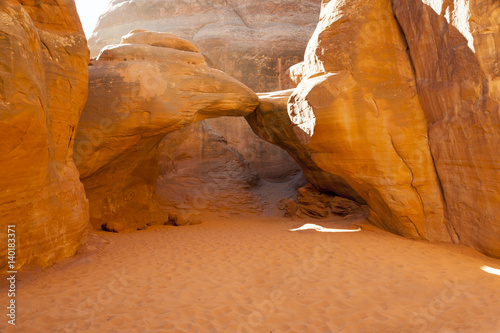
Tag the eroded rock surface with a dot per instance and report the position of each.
(139, 93)
(356, 117)
(314, 203)
(272, 123)
(202, 171)
(254, 41)
(454, 47)
(43, 87)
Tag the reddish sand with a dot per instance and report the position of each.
(255, 275)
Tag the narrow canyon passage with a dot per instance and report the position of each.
(253, 274)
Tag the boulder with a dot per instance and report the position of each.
(184, 218)
(43, 88)
(139, 93)
(313, 203)
(343, 207)
(114, 226)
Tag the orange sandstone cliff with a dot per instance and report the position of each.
(357, 116)
(43, 88)
(398, 100)
(454, 47)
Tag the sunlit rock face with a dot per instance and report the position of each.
(43, 88)
(253, 41)
(454, 46)
(356, 115)
(138, 93)
(272, 123)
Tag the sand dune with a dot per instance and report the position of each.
(255, 275)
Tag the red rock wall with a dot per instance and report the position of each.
(362, 97)
(43, 88)
(357, 115)
(454, 47)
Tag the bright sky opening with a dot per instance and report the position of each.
(89, 11)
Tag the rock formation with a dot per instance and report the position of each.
(355, 117)
(253, 41)
(454, 47)
(396, 105)
(272, 123)
(138, 93)
(43, 88)
(313, 203)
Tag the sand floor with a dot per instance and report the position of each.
(255, 275)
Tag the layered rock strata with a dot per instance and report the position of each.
(253, 41)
